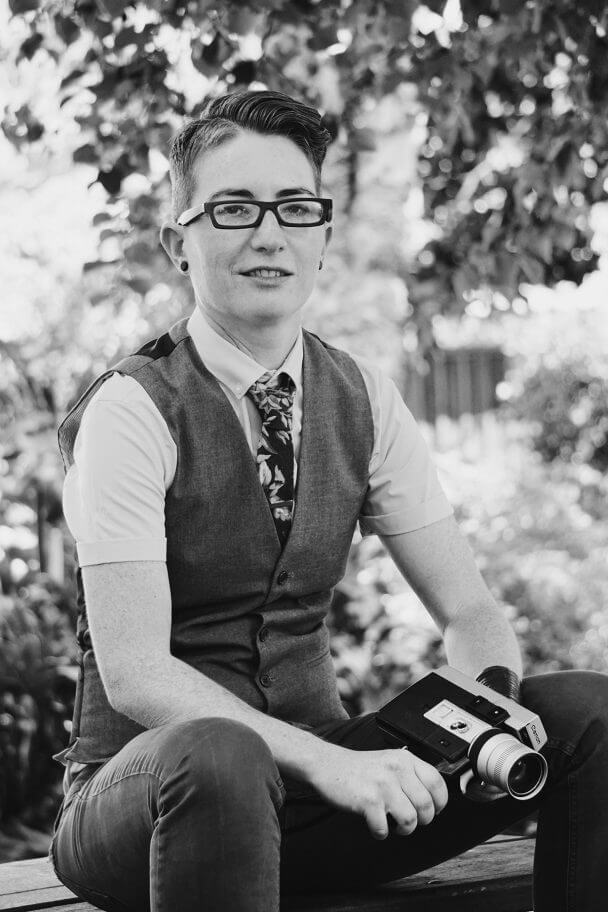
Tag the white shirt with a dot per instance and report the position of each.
(125, 457)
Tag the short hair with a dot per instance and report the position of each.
(266, 112)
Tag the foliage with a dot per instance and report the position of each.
(566, 406)
(539, 534)
(512, 96)
(37, 662)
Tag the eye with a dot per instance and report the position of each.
(297, 208)
(233, 209)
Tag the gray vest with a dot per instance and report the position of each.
(246, 614)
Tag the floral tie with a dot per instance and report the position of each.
(274, 400)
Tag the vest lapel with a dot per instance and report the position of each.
(311, 469)
(233, 426)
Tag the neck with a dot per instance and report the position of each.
(269, 346)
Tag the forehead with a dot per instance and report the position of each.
(253, 161)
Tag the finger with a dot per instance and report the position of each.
(375, 817)
(434, 783)
(403, 811)
(419, 797)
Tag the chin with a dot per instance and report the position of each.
(274, 308)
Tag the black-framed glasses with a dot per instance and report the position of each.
(294, 212)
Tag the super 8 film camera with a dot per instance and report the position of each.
(465, 729)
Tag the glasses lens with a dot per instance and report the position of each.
(236, 214)
(301, 212)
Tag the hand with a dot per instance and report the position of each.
(478, 790)
(377, 783)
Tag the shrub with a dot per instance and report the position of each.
(566, 407)
(539, 534)
(37, 676)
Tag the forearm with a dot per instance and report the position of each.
(173, 691)
(477, 637)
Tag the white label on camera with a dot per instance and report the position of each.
(456, 720)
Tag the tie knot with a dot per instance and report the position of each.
(273, 394)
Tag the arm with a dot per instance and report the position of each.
(438, 564)
(129, 611)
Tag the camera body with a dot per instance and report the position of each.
(466, 729)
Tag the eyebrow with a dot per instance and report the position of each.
(247, 194)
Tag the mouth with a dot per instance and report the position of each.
(263, 272)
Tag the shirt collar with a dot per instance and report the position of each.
(232, 366)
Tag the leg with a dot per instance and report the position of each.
(329, 848)
(571, 861)
(166, 823)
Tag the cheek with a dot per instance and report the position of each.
(216, 266)
(311, 252)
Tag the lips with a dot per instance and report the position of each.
(267, 272)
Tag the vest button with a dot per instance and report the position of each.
(282, 577)
(263, 633)
(265, 680)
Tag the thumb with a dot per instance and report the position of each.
(478, 790)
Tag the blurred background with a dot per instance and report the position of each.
(470, 172)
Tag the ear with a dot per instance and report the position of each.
(328, 234)
(172, 239)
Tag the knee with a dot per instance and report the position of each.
(575, 699)
(220, 755)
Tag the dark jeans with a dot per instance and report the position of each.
(194, 816)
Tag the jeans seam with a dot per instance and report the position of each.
(86, 893)
(572, 845)
(81, 797)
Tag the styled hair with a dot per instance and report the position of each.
(270, 113)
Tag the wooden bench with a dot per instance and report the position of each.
(494, 876)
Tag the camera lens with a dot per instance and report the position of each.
(525, 774)
(507, 763)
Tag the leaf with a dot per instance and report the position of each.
(66, 28)
(322, 38)
(86, 155)
(31, 45)
(543, 247)
(242, 20)
(244, 72)
(101, 27)
(101, 217)
(463, 280)
(114, 8)
(106, 88)
(208, 58)
(92, 265)
(17, 7)
(532, 269)
(111, 180)
(125, 37)
(75, 74)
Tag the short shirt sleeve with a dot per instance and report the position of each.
(114, 492)
(404, 492)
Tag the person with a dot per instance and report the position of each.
(214, 481)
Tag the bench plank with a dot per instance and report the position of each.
(498, 873)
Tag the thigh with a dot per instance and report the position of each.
(155, 819)
(102, 837)
(568, 702)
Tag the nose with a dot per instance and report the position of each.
(269, 234)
